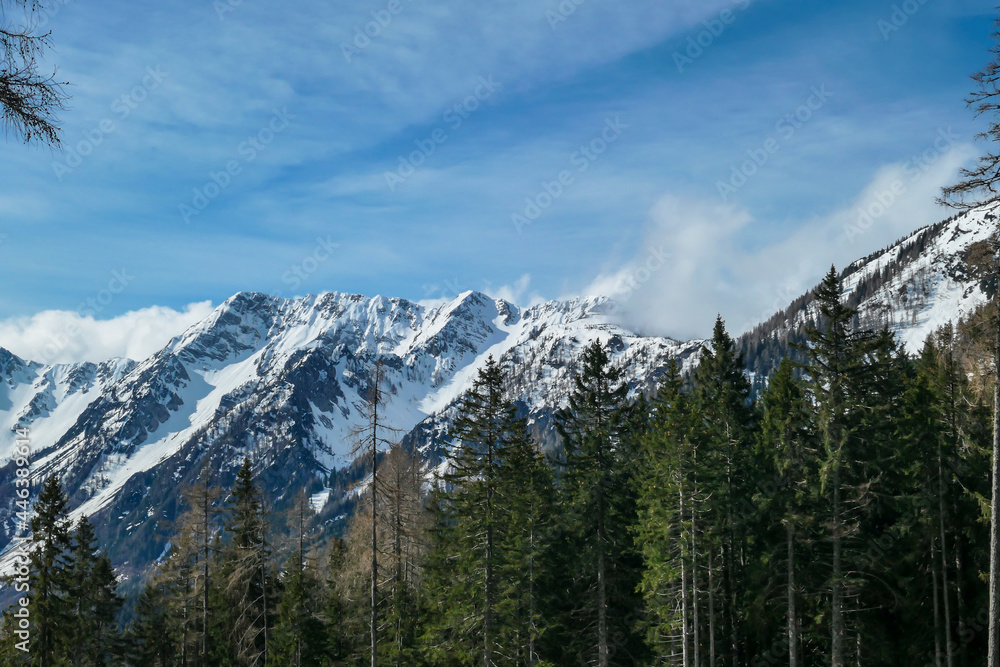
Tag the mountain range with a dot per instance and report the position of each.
(281, 381)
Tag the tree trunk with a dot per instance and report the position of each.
(696, 621)
(374, 587)
(944, 560)
(960, 611)
(937, 609)
(204, 600)
(488, 620)
(302, 567)
(711, 610)
(602, 594)
(263, 588)
(531, 591)
(993, 651)
(793, 620)
(730, 601)
(685, 660)
(836, 591)
(184, 623)
(398, 553)
(730, 565)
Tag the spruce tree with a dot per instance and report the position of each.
(336, 608)
(787, 441)
(599, 499)
(835, 367)
(50, 585)
(93, 601)
(726, 468)
(663, 529)
(470, 533)
(299, 633)
(526, 496)
(246, 571)
(153, 639)
(300, 629)
(13, 650)
(957, 414)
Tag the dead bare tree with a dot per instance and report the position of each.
(370, 438)
(976, 188)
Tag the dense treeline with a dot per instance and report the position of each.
(840, 517)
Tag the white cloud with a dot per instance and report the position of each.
(61, 336)
(518, 293)
(699, 258)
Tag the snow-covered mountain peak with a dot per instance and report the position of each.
(282, 381)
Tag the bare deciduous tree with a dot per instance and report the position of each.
(29, 100)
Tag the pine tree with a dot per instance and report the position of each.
(13, 649)
(300, 633)
(726, 467)
(787, 440)
(663, 530)
(955, 420)
(93, 601)
(229, 641)
(336, 616)
(49, 587)
(526, 496)
(921, 445)
(599, 496)
(246, 569)
(153, 639)
(835, 364)
(469, 537)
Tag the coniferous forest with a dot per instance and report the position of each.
(838, 517)
(185, 484)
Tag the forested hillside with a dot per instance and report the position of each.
(840, 513)
(910, 287)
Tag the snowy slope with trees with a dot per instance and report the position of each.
(912, 287)
(281, 381)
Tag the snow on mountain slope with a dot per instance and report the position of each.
(928, 284)
(913, 287)
(281, 381)
(48, 400)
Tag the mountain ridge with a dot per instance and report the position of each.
(280, 381)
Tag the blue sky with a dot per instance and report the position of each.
(310, 120)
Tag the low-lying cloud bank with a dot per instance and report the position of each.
(61, 336)
(701, 258)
